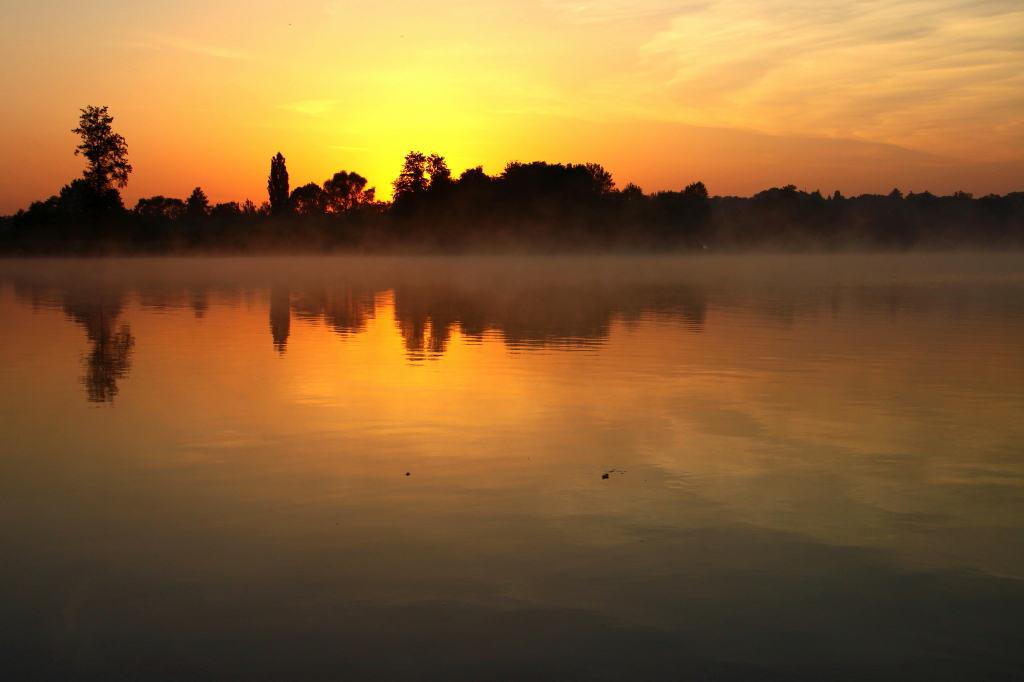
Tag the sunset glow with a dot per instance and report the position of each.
(854, 96)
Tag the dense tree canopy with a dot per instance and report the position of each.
(161, 207)
(309, 199)
(412, 179)
(346, 191)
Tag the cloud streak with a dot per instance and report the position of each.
(311, 107)
(208, 50)
(601, 11)
(947, 76)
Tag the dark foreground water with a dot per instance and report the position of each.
(394, 469)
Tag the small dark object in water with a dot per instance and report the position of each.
(406, 473)
(604, 475)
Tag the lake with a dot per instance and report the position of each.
(712, 467)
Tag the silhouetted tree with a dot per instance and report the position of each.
(277, 186)
(413, 177)
(81, 196)
(573, 196)
(105, 150)
(345, 191)
(226, 211)
(681, 218)
(697, 191)
(602, 179)
(440, 176)
(160, 207)
(309, 199)
(572, 182)
(474, 177)
(197, 206)
(631, 192)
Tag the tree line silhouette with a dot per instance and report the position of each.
(537, 206)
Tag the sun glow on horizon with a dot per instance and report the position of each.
(923, 94)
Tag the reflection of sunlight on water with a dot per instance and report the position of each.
(782, 447)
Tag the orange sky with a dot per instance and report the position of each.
(742, 94)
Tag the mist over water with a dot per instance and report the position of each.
(393, 468)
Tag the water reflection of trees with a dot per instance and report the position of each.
(98, 311)
(110, 358)
(529, 304)
(525, 316)
(566, 318)
(345, 310)
(280, 317)
(426, 315)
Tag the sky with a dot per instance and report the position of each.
(851, 95)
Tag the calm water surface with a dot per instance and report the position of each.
(394, 469)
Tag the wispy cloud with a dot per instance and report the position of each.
(944, 73)
(599, 11)
(208, 50)
(366, 149)
(312, 107)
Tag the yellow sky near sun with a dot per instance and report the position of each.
(852, 95)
